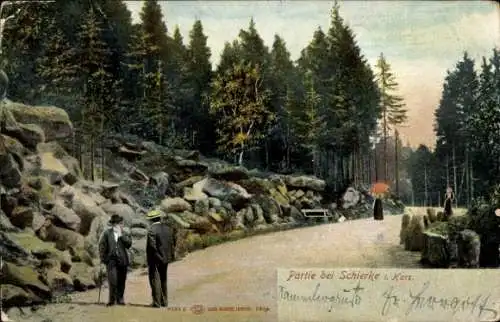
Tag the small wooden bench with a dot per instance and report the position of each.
(316, 213)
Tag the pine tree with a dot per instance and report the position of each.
(311, 124)
(239, 104)
(97, 100)
(391, 105)
(199, 74)
(282, 77)
(57, 70)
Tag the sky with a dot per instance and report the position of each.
(421, 40)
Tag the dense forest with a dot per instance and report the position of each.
(329, 113)
(467, 126)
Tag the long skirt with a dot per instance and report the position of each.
(447, 209)
(378, 211)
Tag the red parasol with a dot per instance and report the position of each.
(379, 188)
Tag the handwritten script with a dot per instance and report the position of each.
(385, 294)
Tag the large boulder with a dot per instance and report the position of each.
(54, 121)
(351, 198)
(5, 224)
(120, 209)
(12, 251)
(10, 174)
(97, 227)
(227, 172)
(83, 205)
(66, 216)
(70, 163)
(22, 217)
(435, 251)
(225, 191)
(42, 251)
(176, 204)
(63, 238)
(305, 182)
(25, 277)
(469, 246)
(15, 296)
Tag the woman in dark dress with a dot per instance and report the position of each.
(449, 197)
(378, 210)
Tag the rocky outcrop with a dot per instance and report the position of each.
(443, 244)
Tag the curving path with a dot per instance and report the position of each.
(243, 273)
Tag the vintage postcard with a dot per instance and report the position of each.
(249, 161)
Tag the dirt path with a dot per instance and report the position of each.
(243, 273)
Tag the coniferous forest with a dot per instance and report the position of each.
(329, 113)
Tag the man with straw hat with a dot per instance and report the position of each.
(160, 251)
(113, 252)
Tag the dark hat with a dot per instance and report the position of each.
(116, 219)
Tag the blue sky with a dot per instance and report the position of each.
(421, 39)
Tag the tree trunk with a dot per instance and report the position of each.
(455, 175)
(92, 157)
(425, 186)
(396, 165)
(386, 164)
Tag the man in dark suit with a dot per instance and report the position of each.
(113, 252)
(160, 252)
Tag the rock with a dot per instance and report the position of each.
(97, 227)
(431, 214)
(83, 276)
(351, 198)
(183, 169)
(216, 217)
(176, 204)
(415, 237)
(12, 251)
(201, 207)
(177, 221)
(214, 202)
(5, 224)
(70, 163)
(248, 216)
(86, 208)
(256, 185)
(469, 247)
(10, 175)
(54, 121)
(59, 282)
(22, 217)
(271, 209)
(258, 214)
(15, 296)
(296, 214)
(14, 146)
(162, 181)
(63, 238)
(188, 182)
(38, 221)
(26, 278)
(226, 191)
(45, 192)
(30, 135)
(305, 182)
(280, 198)
(66, 217)
(138, 253)
(228, 172)
(138, 175)
(435, 250)
(405, 222)
(121, 209)
(192, 194)
(139, 223)
(138, 233)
